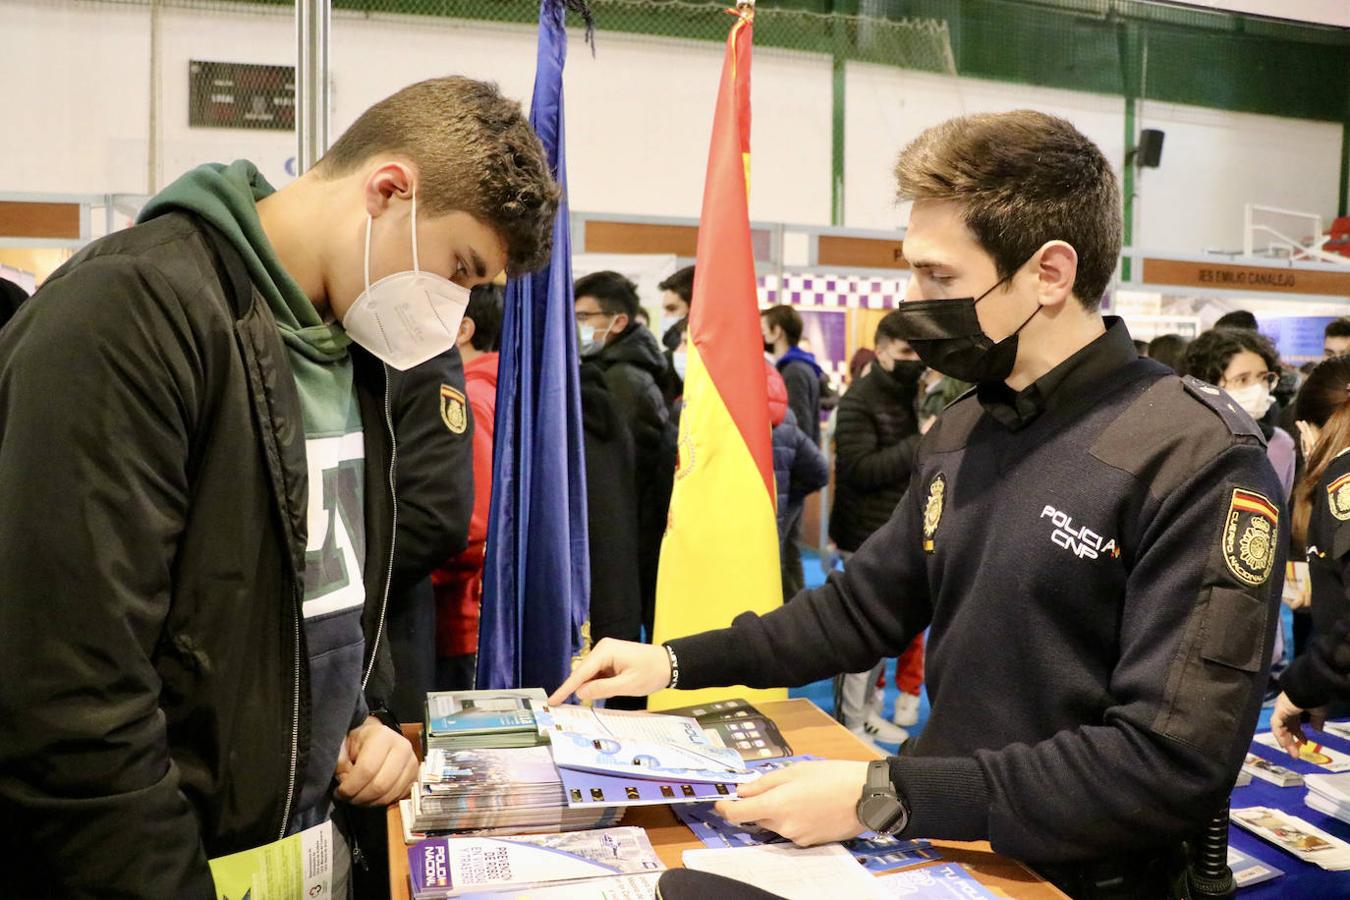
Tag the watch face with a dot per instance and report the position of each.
(882, 814)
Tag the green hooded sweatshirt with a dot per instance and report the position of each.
(227, 197)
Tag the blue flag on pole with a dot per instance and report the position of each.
(536, 579)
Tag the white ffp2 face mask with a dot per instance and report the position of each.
(1254, 398)
(406, 318)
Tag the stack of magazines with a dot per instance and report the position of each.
(1330, 795)
(451, 867)
(466, 720)
(501, 791)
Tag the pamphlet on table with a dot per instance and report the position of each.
(1248, 870)
(454, 866)
(950, 881)
(795, 873)
(1312, 752)
(1330, 795)
(1262, 768)
(1294, 835)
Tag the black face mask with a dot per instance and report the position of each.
(907, 371)
(947, 336)
(768, 347)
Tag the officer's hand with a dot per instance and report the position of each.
(808, 803)
(377, 765)
(1286, 723)
(617, 669)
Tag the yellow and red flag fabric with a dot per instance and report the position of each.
(719, 557)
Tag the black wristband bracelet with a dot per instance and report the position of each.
(674, 667)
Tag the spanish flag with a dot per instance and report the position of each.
(719, 557)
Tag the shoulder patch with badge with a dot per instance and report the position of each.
(1338, 498)
(932, 510)
(453, 411)
(1233, 416)
(1250, 536)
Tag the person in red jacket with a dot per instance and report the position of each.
(459, 583)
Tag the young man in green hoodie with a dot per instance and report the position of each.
(197, 478)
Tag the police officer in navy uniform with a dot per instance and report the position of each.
(1096, 545)
(1317, 684)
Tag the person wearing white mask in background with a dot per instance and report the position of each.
(1247, 366)
(677, 294)
(199, 510)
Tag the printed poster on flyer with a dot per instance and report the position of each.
(300, 866)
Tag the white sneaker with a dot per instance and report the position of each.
(863, 736)
(906, 710)
(882, 732)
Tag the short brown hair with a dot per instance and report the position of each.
(1023, 178)
(681, 284)
(786, 318)
(475, 153)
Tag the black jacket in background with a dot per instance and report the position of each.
(876, 434)
(611, 513)
(153, 483)
(634, 370)
(435, 500)
(803, 382)
(1099, 558)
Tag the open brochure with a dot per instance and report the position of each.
(673, 751)
(635, 758)
(620, 724)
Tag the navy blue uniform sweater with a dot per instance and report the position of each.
(1099, 558)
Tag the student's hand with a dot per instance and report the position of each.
(1286, 723)
(617, 669)
(377, 765)
(808, 803)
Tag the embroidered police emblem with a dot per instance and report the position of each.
(932, 510)
(453, 413)
(1338, 494)
(1249, 537)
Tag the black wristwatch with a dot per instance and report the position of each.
(880, 808)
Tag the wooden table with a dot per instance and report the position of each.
(808, 730)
